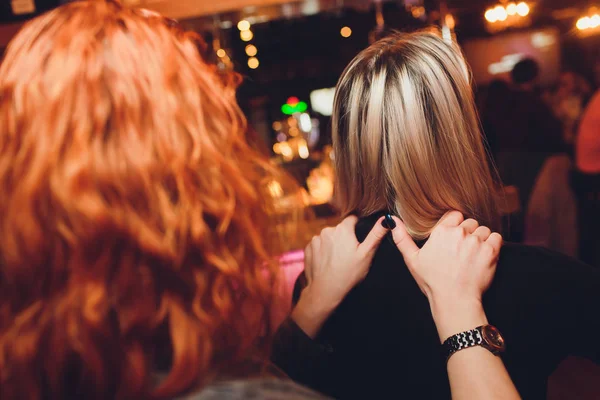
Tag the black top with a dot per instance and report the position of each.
(381, 342)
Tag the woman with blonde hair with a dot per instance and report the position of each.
(407, 143)
(135, 253)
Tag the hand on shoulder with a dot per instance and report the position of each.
(334, 262)
(453, 269)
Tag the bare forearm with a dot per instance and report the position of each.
(474, 373)
(311, 312)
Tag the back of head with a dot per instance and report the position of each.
(406, 134)
(525, 71)
(131, 220)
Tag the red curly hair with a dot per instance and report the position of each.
(132, 219)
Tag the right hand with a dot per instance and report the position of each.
(453, 269)
(334, 262)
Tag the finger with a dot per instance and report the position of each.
(495, 240)
(349, 222)
(469, 225)
(483, 232)
(315, 248)
(315, 244)
(452, 218)
(371, 243)
(327, 231)
(326, 235)
(404, 241)
(308, 257)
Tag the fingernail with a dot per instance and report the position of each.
(388, 222)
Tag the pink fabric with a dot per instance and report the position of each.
(292, 264)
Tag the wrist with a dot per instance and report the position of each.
(311, 311)
(456, 316)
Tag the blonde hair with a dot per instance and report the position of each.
(406, 135)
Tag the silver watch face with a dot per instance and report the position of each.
(493, 338)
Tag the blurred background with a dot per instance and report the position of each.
(291, 53)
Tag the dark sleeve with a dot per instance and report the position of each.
(297, 354)
(303, 359)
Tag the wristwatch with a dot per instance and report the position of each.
(486, 336)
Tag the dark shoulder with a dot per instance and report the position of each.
(250, 389)
(514, 258)
(532, 259)
(536, 288)
(539, 278)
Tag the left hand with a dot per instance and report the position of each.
(334, 263)
(453, 269)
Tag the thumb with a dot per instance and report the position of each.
(404, 241)
(371, 243)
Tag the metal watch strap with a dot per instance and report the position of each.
(461, 341)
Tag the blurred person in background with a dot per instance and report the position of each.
(567, 102)
(135, 255)
(551, 215)
(496, 119)
(587, 155)
(407, 142)
(496, 113)
(551, 220)
(534, 123)
(525, 137)
(586, 181)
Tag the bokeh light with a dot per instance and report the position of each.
(243, 25)
(522, 9)
(450, 21)
(511, 9)
(584, 23)
(490, 16)
(253, 62)
(246, 36)
(501, 13)
(251, 50)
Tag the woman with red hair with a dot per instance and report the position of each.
(131, 212)
(135, 259)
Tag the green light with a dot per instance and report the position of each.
(301, 107)
(289, 109)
